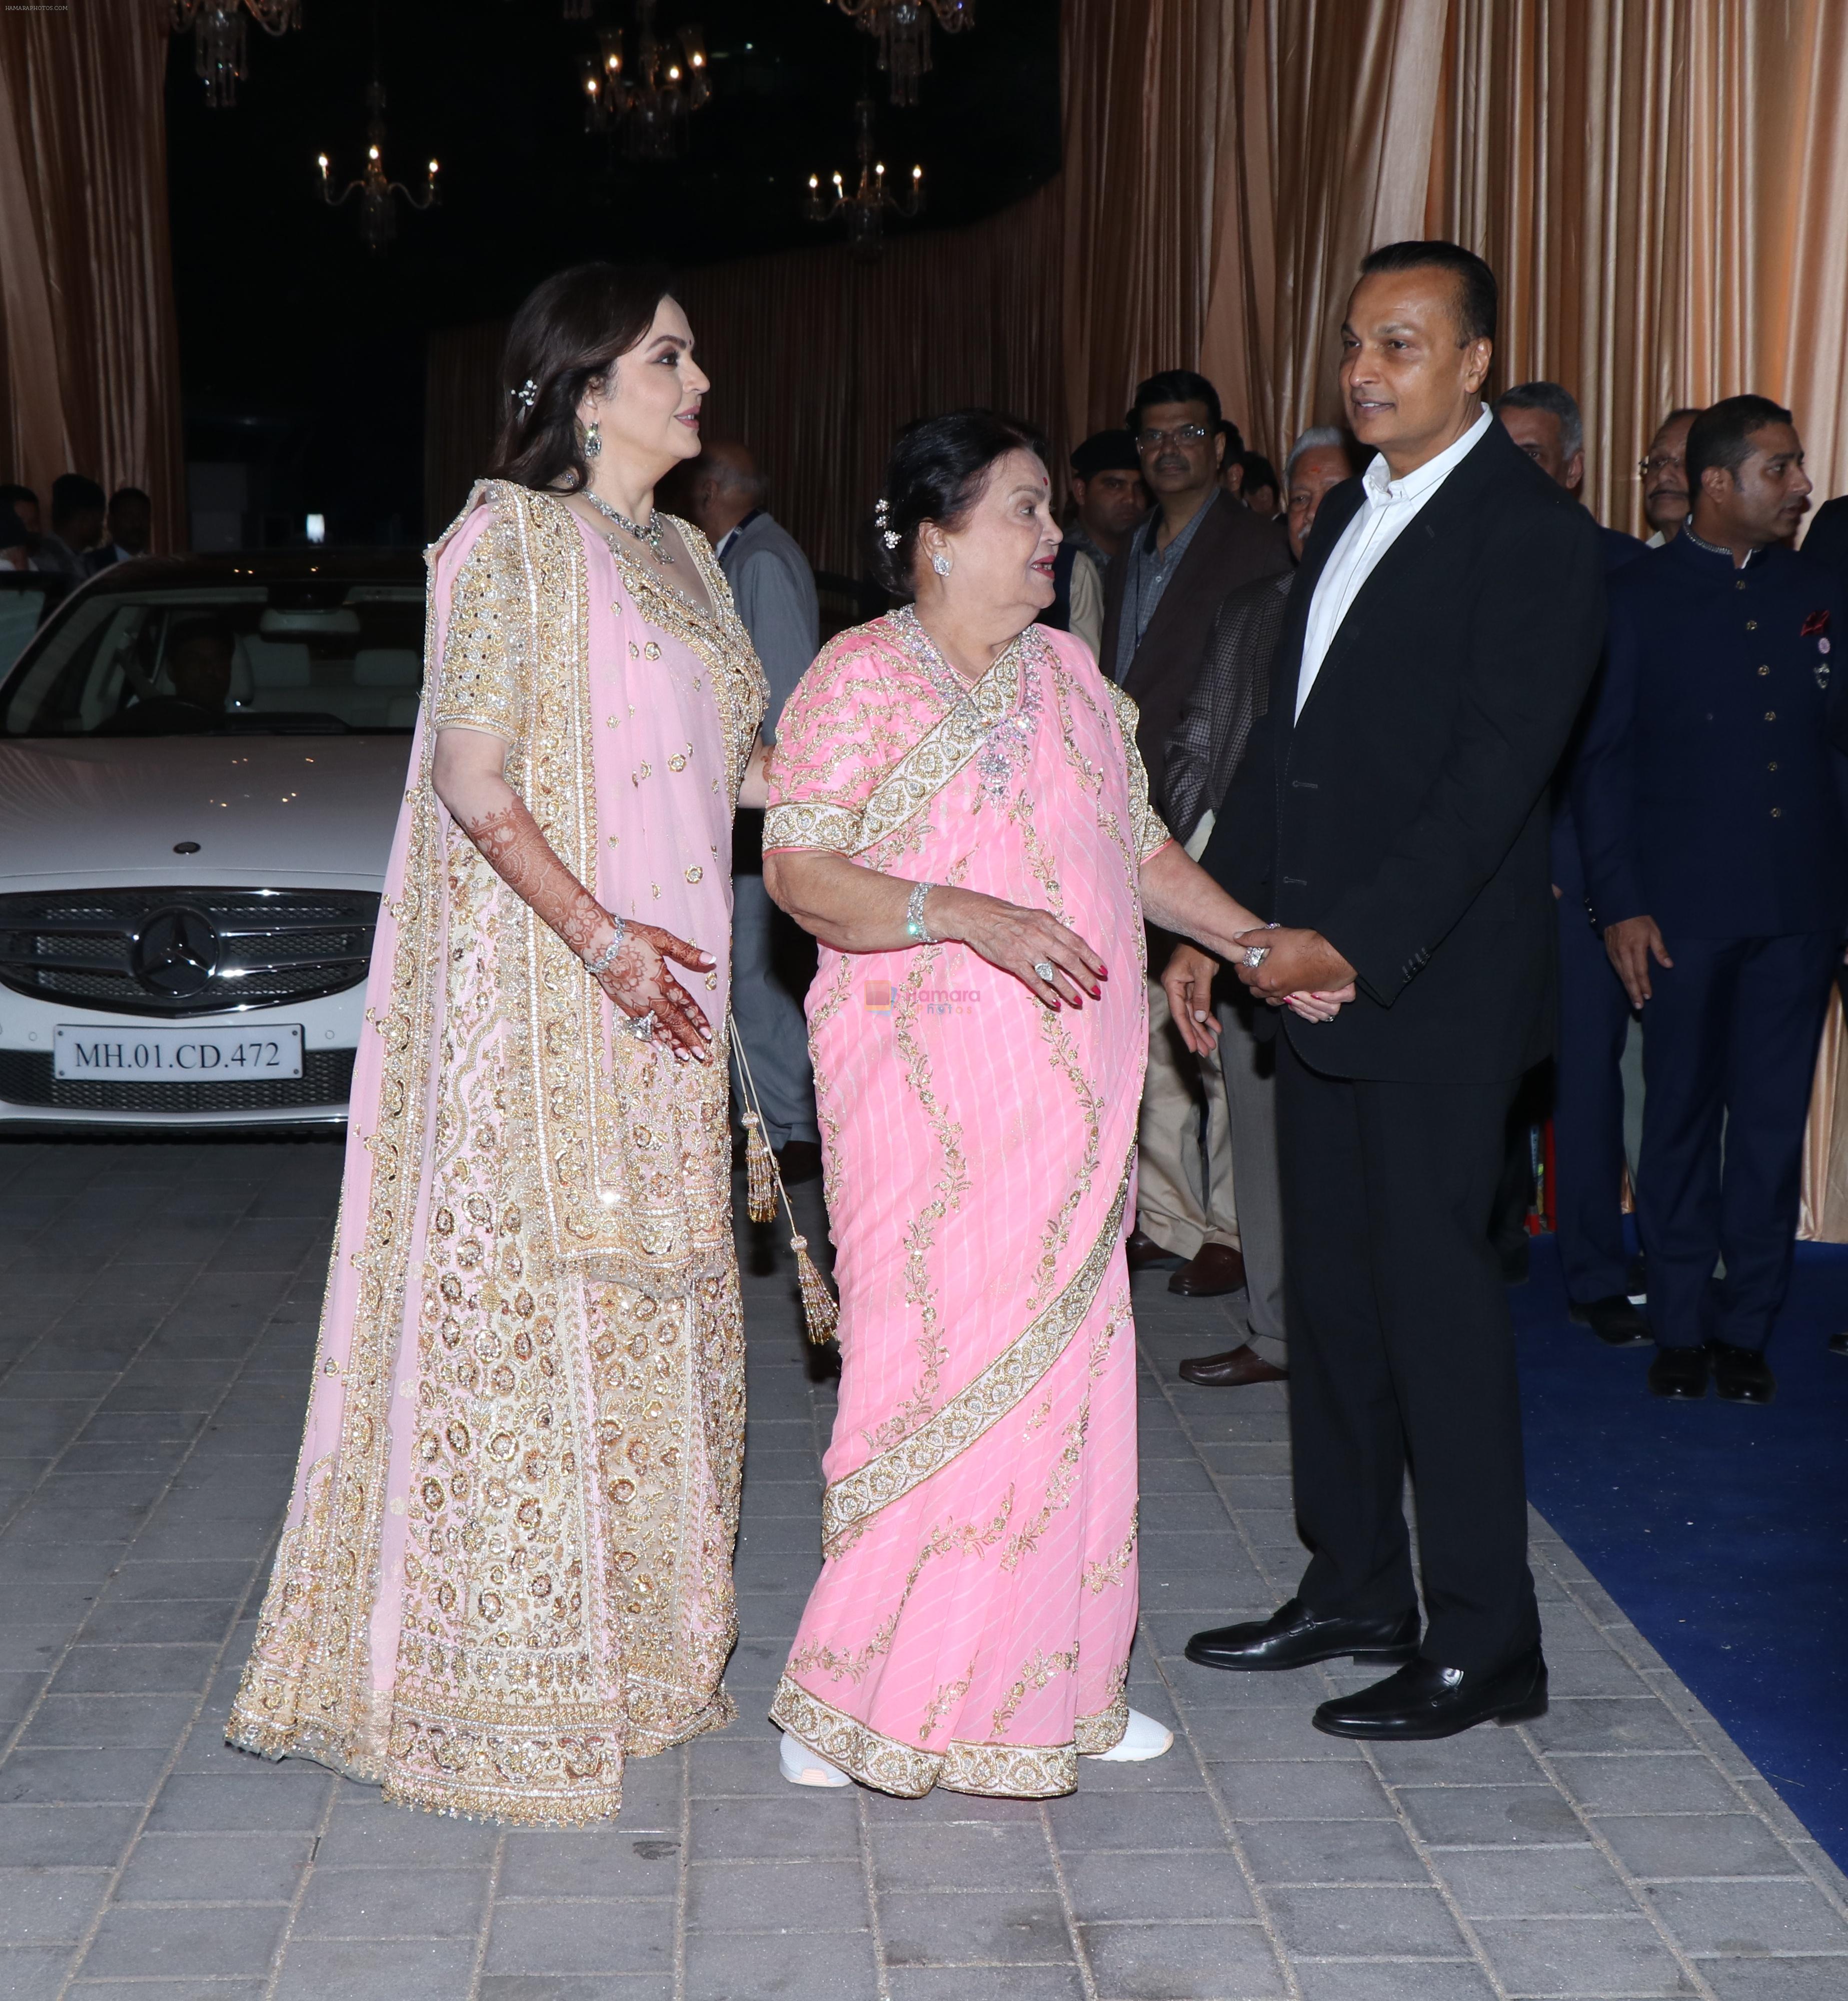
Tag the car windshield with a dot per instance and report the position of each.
(314, 655)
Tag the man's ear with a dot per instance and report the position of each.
(1717, 482)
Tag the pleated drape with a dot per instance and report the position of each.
(88, 339)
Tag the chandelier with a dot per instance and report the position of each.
(903, 27)
(218, 33)
(377, 190)
(652, 101)
(866, 207)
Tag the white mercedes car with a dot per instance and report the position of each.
(201, 762)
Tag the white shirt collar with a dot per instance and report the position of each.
(1382, 488)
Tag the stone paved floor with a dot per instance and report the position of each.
(157, 1315)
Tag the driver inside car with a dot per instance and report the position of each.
(200, 652)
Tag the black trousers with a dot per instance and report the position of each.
(1401, 1354)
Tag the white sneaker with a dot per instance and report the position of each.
(1143, 1738)
(802, 1766)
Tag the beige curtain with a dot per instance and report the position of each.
(87, 334)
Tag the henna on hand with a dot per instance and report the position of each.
(637, 980)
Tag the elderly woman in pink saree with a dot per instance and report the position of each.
(507, 1563)
(958, 813)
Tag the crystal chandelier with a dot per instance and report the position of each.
(652, 101)
(903, 27)
(218, 38)
(866, 207)
(377, 190)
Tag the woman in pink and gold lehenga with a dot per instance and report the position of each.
(958, 814)
(506, 1563)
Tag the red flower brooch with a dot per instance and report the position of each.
(1817, 621)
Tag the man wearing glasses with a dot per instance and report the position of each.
(1198, 545)
(1664, 470)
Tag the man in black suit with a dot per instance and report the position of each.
(1444, 629)
(1198, 545)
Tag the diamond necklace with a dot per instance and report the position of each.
(650, 534)
(1007, 743)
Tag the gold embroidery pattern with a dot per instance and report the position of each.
(995, 1771)
(854, 1499)
(1101, 1575)
(542, 1638)
(1151, 832)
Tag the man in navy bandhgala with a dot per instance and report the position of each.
(1711, 817)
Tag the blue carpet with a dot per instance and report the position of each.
(1721, 1528)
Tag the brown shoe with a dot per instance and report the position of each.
(1143, 1251)
(1232, 1370)
(1214, 1268)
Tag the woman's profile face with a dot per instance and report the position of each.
(648, 409)
(1002, 556)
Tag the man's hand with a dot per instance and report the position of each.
(1296, 962)
(1629, 943)
(1188, 983)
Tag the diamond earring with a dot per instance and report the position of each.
(593, 439)
(941, 565)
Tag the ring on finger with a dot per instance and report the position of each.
(1255, 954)
(643, 1027)
(1045, 969)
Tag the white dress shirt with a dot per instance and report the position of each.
(1388, 510)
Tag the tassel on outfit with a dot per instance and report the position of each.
(763, 1184)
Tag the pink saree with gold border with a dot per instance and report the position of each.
(971, 1625)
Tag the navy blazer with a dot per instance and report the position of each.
(1706, 791)
(1568, 870)
(1411, 796)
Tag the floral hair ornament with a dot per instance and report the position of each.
(526, 394)
(882, 521)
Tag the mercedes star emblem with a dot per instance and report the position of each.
(177, 953)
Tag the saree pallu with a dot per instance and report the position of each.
(972, 1622)
(505, 1564)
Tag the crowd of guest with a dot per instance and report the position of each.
(1699, 857)
(88, 530)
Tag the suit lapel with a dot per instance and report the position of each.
(1332, 519)
(1151, 658)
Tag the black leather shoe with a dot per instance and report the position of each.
(1293, 1637)
(1741, 1374)
(1425, 1700)
(1615, 1321)
(1838, 1344)
(1232, 1370)
(1678, 1372)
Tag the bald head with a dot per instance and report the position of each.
(727, 486)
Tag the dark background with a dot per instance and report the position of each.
(302, 353)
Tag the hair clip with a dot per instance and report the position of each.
(526, 394)
(881, 507)
(890, 540)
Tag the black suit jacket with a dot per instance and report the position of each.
(1410, 796)
(1828, 537)
(1230, 547)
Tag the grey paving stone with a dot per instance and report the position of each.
(52, 1778)
(1333, 1851)
(1684, 1783)
(52, 1837)
(1658, 1845)
(1150, 1821)
(970, 1856)
(368, 1970)
(732, 1764)
(281, 1800)
(772, 1896)
(1301, 1792)
(42, 1906)
(1355, 1920)
(576, 1987)
(118, 1622)
(1106, 1886)
(1477, 1758)
(1393, 1980)
(34, 1973)
(1609, 1723)
(100, 1722)
(1493, 1816)
(1525, 1882)
(963, 1927)
(985, 1983)
(212, 1868)
(581, 1937)
(1171, 1962)
(185, 1941)
(1776, 1979)
(592, 1862)
(1267, 1734)
(1761, 1916)
(134, 1670)
(813, 1824)
(1576, 1956)
(836, 1966)
(381, 1902)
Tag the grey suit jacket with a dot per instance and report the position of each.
(774, 590)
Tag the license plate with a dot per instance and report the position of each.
(176, 1056)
